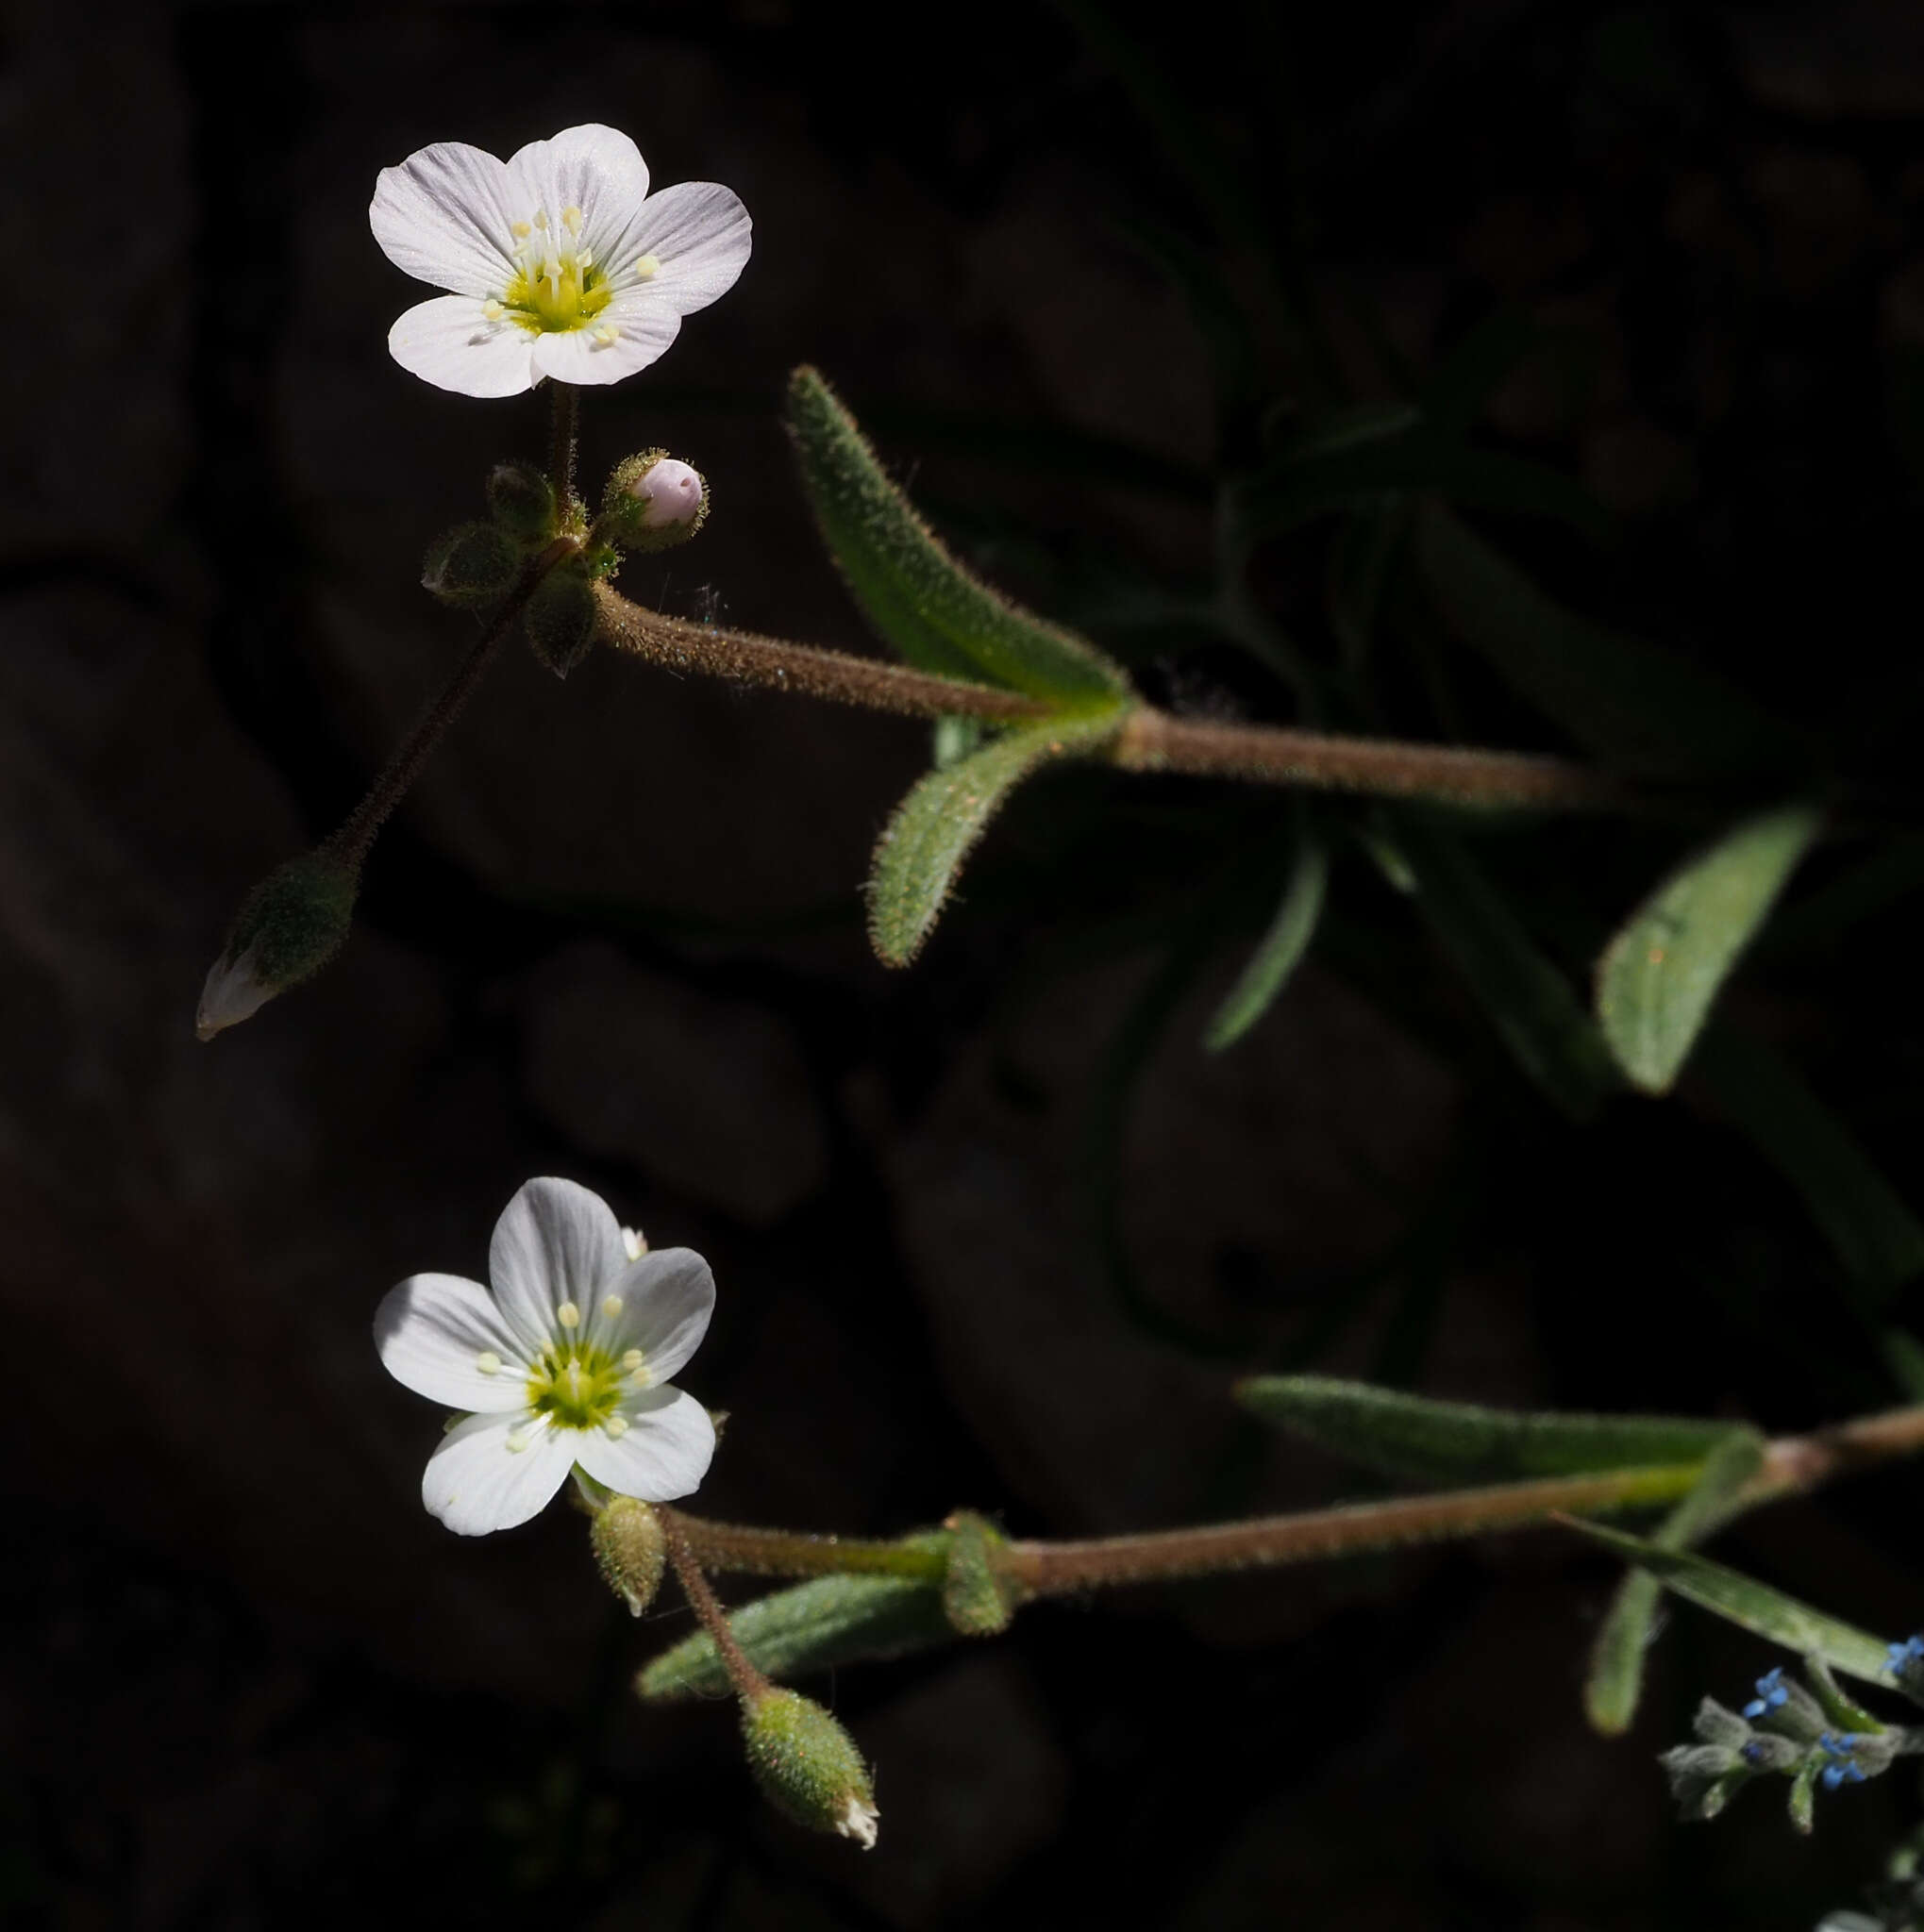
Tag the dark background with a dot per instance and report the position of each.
(616, 935)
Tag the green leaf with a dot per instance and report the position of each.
(1753, 1606)
(1647, 710)
(1617, 1658)
(924, 844)
(1533, 1005)
(1659, 976)
(1459, 1443)
(920, 599)
(1876, 1237)
(814, 1626)
(1280, 951)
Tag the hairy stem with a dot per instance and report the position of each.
(751, 1685)
(1791, 1465)
(350, 844)
(1148, 741)
(561, 440)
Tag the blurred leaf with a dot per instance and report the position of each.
(1311, 479)
(1281, 950)
(814, 1626)
(1530, 1002)
(1617, 1658)
(1647, 710)
(957, 738)
(1461, 1442)
(1658, 976)
(934, 828)
(1753, 1606)
(913, 591)
(1872, 1232)
(1886, 877)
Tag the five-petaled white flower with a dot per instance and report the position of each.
(564, 1362)
(562, 263)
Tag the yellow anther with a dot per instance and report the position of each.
(568, 1315)
(541, 218)
(519, 229)
(571, 220)
(616, 1426)
(633, 1360)
(518, 1442)
(606, 336)
(647, 265)
(611, 1306)
(488, 1362)
(492, 311)
(631, 1240)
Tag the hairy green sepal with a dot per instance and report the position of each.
(472, 563)
(808, 1766)
(562, 615)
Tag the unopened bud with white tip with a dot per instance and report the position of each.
(654, 501)
(288, 927)
(808, 1766)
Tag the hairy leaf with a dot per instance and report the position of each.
(924, 844)
(1415, 1437)
(921, 600)
(1616, 1659)
(1755, 1606)
(1659, 976)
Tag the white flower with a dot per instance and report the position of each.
(564, 1362)
(560, 262)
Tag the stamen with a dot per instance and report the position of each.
(492, 311)
(541, 218)
(633, 1360)
(647, 265)
(611, 1306)
(519, 230)
(517, 1441)
(568, 1315)
(488, 1362)
(606, 337)
(571, 220)
(616, 1426)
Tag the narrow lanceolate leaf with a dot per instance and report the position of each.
(1755, 1606)
(1413, 1437)
(920, 599)
(1616, 1659)
(1647, 710)
(814, 1626)
(1870, 1226)
(1281, 950)
(1531, 1005)
(934, 828)
(1659, 976)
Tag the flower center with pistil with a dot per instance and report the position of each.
(575, 1384)
(557, 283)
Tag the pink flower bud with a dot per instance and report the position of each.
(669, 491)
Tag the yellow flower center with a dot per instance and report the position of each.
(576, 1384)
(557, 284)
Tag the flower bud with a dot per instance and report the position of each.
(471, 564)
(523, 502)
(288, 927)
(631, 1550)
(654, 502)
(561, 616)
(808, 1766)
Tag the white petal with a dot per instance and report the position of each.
(555, 1244)
(443, 215)
(475, 1482)
(595, 169)
(436, 1335)
(449, 342)
(698, 233)
(666, 1299)
(663, 1452)
(643, 330)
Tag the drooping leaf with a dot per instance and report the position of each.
(1875, 1235)
(1755, 1606)
(1533, 1005)
(1617, 1658)
(923, 846)
(1649, 711)
(1463, 1442)
(814, 1626)
(1280, 951)
(921, 600)
(1659, 976)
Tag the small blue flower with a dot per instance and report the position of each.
(1910, 1651)
(1772, 1694)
